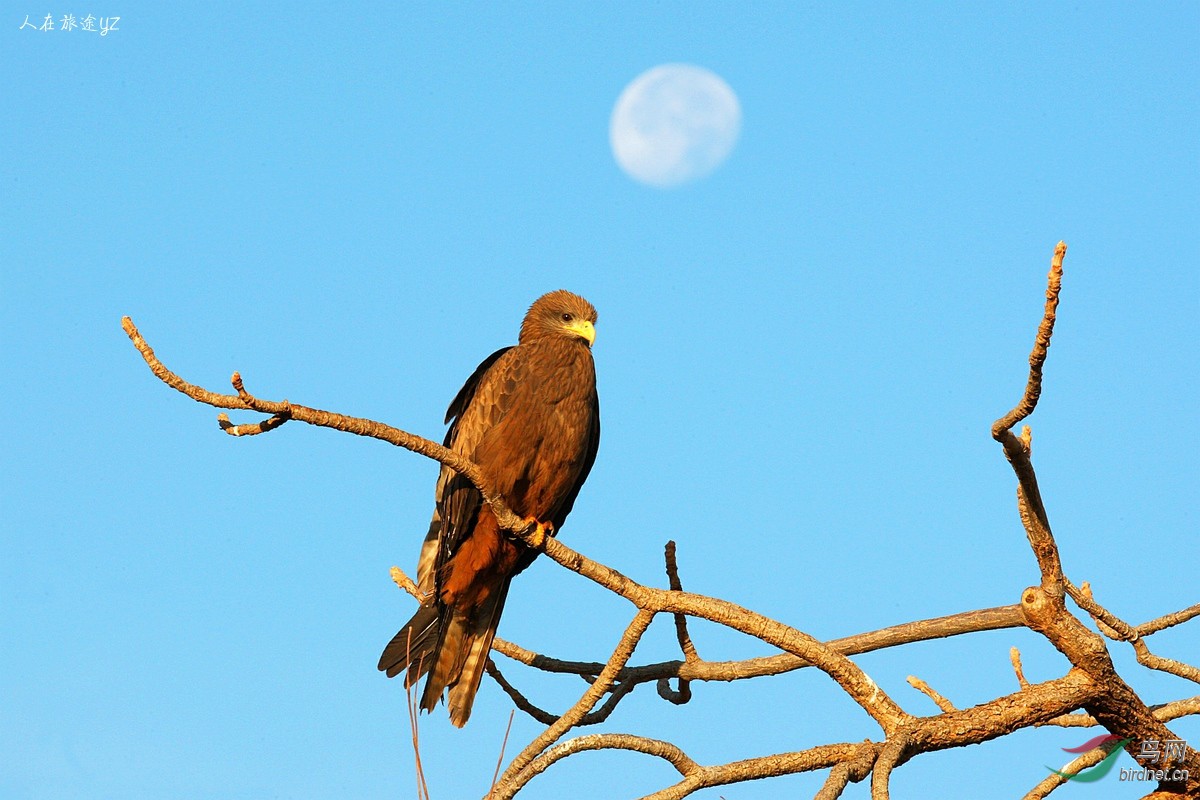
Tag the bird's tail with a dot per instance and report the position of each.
(462, 656)
(414, 647)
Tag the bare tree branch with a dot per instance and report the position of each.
(515, 775)
(522, 702)
(889, 758)
(1052, 781)
(1017, 450)
(853, 769)
(920, 631)
(327, 419)
(1041, 346)
(269, 424)
(1168, 620)
(1116, 628)
(684, 693)
(1090, 694)
(822, 757)
(1015, 656)
(1163, 712)
(1118, 708)
(613, 741)
(923, 687)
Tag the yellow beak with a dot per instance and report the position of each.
(583, 328)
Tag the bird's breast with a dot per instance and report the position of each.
(537, 450)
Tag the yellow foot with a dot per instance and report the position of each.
(537, 537)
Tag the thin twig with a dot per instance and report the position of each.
(617, 693)
(503, 746)
(269, 424)
(1014, 655)
(681, 631)
(1037, 358)
(1109, 623)
(1052, 781)
(522, 702)
(683, 693)
(1168, 620)
(931, 693)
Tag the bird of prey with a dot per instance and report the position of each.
(529, 416)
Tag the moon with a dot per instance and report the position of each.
(673, 124)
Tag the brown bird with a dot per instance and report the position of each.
(529, 416)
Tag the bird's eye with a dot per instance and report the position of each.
(567, 317)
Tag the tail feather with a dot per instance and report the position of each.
(448, 659)
(461, 656)
(462, 691)
(413, 648)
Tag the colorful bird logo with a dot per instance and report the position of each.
(1100, 770)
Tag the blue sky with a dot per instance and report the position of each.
(799, 359)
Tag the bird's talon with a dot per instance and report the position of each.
(541, 530)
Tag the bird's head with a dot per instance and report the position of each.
(560, 313)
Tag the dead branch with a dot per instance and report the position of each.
(1018, 450)
(616, 694)
(684, 693)
(613, 741)
(1164, 712)
(1119, 709)
(852, 770)
(923, 687)
(1052, 781)
(889, 758)
(269, 424)
(1116, 628)
(327, 419)
(1015, 656)
(822, 757)
(522, 703)
(1168, 620)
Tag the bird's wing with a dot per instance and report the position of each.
(559, 514)
(467, 393)
(479, 404)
